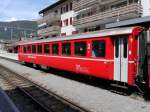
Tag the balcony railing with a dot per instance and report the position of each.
(51, 17)
(49, 30)
(135, 10)
(82, 4)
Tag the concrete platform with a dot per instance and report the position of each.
(13, 56)
(92, 98)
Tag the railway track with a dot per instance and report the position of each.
(36, 98)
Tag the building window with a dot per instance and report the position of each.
(56, 11)
(67, 8)
(66, 22)
(46, 49)
(34, 49)
(39, 49)
(64, 9)
(66, 48)
(61, 10)
(55, 49)
(80, 48)
(70, 6)
(98, 48)
(71, 22)
(61, 24)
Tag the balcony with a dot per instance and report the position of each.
(49, 30)
(78, 5)
(122, 13)
(103, 2)
(49, 18)
(81, 4)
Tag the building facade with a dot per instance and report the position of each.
(93, 15)
(67, 17)
(57, 19)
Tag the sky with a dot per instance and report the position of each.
(12, 10)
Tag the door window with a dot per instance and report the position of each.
(117, 48)
(125, 48)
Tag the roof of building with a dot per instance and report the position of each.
(102, 33)
(129, 22)
(52, 6)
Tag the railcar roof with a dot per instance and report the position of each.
(102, 33)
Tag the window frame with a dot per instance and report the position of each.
(71, 21)
(58, 49)
(41, 52)
(28, 51)
(102, 40)
(70, 48)
(74, 48)
(25, 49)
(35, 49)
(49, 48)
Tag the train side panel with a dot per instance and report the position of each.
(95, 67)
(98, 67)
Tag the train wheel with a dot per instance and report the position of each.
(36, 66)
(44, 67)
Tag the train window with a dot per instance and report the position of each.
(24, 49)
(40, 49)
(125, 47)
(55, 49)
(116, 47)
(29, 49)
(98, 48)
(34, 49)
(46, 49)
(80, 48)
(66, 48)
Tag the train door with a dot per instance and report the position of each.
(121, 59)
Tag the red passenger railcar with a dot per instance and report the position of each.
(112, 54)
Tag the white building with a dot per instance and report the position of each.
(146, 7)
(57, 19)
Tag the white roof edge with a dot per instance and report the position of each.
(102, 33)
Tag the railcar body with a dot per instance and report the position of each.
(113, 54)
